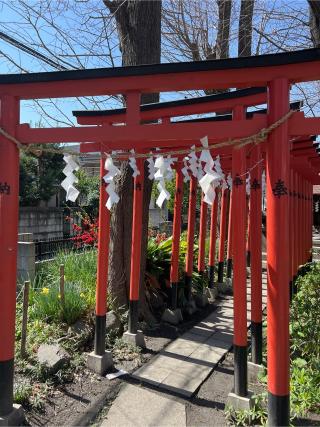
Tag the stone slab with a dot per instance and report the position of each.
(239, 402)
(14, 418)
(138, 407)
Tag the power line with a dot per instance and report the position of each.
(30, 51)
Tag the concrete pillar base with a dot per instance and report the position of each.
(212, 293)
(14, 418)
(240, 402)
(172, 316)
(254, 371)
(134, 339)
(201, 300)
(191, 307)
(100, 364)
(225, 287)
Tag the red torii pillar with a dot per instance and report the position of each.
(213, 239)
(256, 256)
(9, 212)
(278, 175)
(190, 237)
(138, 186)
(230, 233)
(176, 232)
(310, 231)
(202, 235)
(102, 267)
(239, 265)
(223, 229)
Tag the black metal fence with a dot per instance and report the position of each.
(47, 249)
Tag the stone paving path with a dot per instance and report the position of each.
(180, 369)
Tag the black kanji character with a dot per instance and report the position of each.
(279, 189)
(237, 181)
(255, 184)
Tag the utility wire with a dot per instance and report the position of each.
(30, 51)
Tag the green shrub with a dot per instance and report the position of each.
(305, 316)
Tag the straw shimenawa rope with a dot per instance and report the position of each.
(238, 143)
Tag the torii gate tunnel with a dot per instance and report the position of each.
(288, 153)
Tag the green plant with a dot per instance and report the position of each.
(305, 316)
(22, 393)
(305, 386)
(257, 415)
(46, 304)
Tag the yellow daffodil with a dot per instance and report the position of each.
(45, 291)
(59, 296)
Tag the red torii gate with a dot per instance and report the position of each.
(279, 71)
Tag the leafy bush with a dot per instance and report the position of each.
(305, 386)
(305, 316)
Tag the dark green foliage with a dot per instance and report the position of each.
(40, 177)
(89, 187)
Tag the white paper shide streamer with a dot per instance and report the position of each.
(211, 178)
(248, 179)
(163, 172)
(112, 172)
(151, 168)
(133, 165)
(70, 179)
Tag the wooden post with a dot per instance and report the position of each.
(9, 211)
(239, 265)
(202, 235)
(136, 248)
(223, 229)
(278, 175)
(213, 239)
(230, 233)
(176, 232)
(24, 326)
(61, 285)
(190, 236)
(102, 268)
(255, 250)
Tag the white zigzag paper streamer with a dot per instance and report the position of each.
(112, 172)
(70, 179)
(151, 168)
(210, 178)
(229, 181)
(184, 170)
(163, 171)
(248, 184)
(133, 165)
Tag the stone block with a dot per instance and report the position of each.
(100, 364)
(191, 307)
(240, 402)
(212, 293)
(254, 371)
(113, 323)
(14, 418)
(53, 356)
(134, 339)
(201, 300)
(174, 317)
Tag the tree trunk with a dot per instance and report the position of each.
(245, 28)
(223, 35)
(314, 22)
(139, 31)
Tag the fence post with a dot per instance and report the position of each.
(25, 308)
(62, 296)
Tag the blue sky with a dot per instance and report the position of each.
(15, 24)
